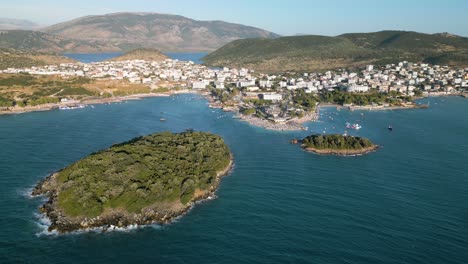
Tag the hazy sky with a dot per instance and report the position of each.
(285, 17)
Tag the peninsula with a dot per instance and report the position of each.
(338, 145)
(150, 179)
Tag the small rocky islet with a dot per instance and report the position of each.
(336, 144)
(150, 179)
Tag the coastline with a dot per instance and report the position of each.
(383, 108)
(343, 152)
(115, 218)
(293, 125)
(91, 101)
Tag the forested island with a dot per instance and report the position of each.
(338, 145)
(150, 179)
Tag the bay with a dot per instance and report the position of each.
(405, 203)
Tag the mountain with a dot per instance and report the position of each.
(11, 58)
(306, 53)
(142, 54)
(153, 30)
(10, 23)
(43, 42)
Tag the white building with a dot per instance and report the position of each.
(266, 83)
(246, 83)
(219, 85)
(271, 96)
(200, 84)
(355, 88)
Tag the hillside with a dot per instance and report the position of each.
(11, 23)
(10, 58)
(303, 53)
(43, 42)
(152, 30)
(142, 54)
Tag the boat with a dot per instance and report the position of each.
(390, 128)
(162, 119)
(71, 107)
(353, 126)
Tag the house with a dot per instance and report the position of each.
(355, 88)
(200, 84)
(271, 96)
(219, 85)
(246, 83)
(265, 83)
(253, 89)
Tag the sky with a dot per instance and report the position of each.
(284, 17)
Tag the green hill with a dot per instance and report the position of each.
(11, 58)
(302, 53)
(142, 54)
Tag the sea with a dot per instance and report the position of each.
(405, 203)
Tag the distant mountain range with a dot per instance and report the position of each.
(10, 23)
(303, 53)
(127, 31)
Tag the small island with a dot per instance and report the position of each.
(146, 54)
(338, 145)
(150, 179)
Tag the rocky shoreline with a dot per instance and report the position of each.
(382, 108)
(341, 152)
(115, 218)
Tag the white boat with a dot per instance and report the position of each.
(353, 126)
(71, 107)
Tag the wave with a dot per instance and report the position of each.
(43, 223)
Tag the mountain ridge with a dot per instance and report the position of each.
(312, 52)
(42, 42)
(165, 32)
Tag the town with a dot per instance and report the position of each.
(282, 101)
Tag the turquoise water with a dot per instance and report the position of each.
(406, 203)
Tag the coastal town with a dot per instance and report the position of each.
(282, 101)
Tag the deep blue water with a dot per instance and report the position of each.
(406, 203)
(92, 57)
(96, 57)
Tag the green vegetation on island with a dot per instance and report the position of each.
(142, 54)
(362, 99)
(336, 144)
(312, 53)
(148, 179)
